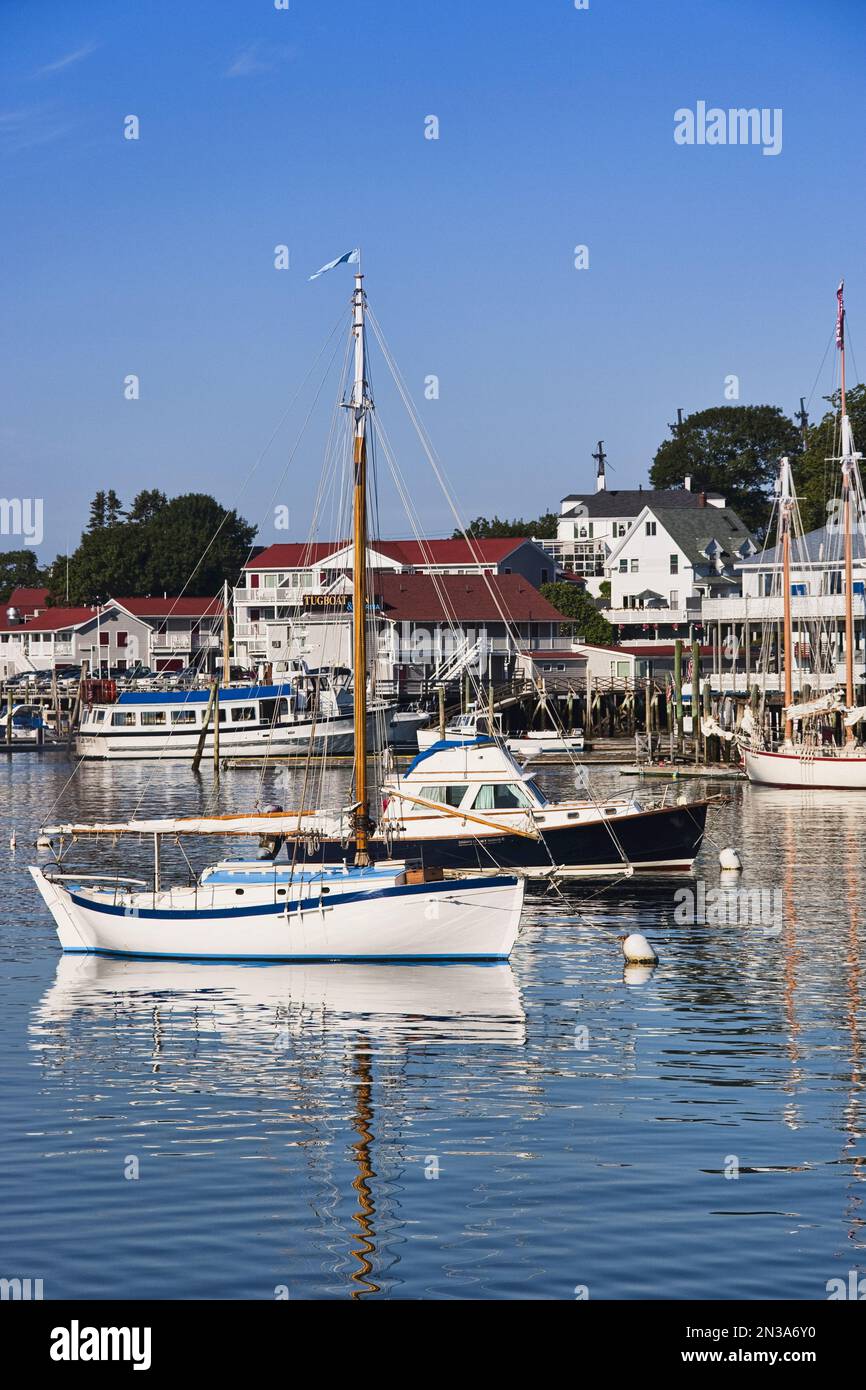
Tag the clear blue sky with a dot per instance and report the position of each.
(306, 127)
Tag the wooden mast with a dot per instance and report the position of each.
(847, 469)
(360, 404)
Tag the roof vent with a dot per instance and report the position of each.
(13, 616)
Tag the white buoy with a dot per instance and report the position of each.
(730, 859)
(43, 841)
(637, 950)
(12, 841)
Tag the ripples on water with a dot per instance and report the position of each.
(289, 1122)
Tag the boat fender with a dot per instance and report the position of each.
(730, 859)
(637, 950)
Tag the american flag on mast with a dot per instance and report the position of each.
(840, 316)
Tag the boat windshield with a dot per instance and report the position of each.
(535, 791)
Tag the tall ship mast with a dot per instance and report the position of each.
(820, 747)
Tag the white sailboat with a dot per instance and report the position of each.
(808, 755)
(254, 911)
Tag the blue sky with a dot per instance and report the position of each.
(306, 127)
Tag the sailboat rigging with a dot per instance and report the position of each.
(809, 754)
(263, 910)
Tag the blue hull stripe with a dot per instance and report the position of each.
(200, 955)
(280, 909)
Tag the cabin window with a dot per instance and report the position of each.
(98, 716)
(501, 796)
(153, 716)
(244, 715)
(123, 719)
(183, 716)
(451, 795)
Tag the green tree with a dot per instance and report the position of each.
(146, 505)
(817, 472)
(484, 528)
(573, 600)
(189, 543)
(20, 569)
(732, 449)
(97, 512)
(193, 534)
(113, 508)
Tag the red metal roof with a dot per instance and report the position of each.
(295, 555)
(27, 600)
(465, 597)
(50, 620)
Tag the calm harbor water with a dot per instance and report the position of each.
(181, 1131)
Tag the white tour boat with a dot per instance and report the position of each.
(254, 721)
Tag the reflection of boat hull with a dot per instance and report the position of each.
(426, 1003)
(662, 840)
(470, 920)
(783, 769)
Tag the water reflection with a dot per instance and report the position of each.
(271, 1005)
(284, 1114)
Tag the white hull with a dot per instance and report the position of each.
(793, 769)
(532, 745)
(526, 745)
(334, 736)
(447, 920)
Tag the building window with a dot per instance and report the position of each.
(675, 564)
(621, 669)
(623, 566)
(650, 528)
(634, 566)
(254, 581)
(675, 598)
(545, 575)
(122, 639)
